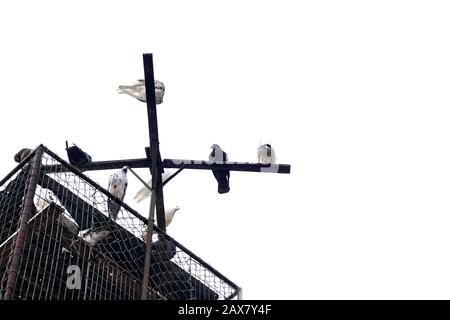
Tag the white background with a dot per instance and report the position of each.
(353, 94)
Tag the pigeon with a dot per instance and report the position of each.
(93, 237)
(266, 154)
(77, 157)
(42, 199)
(144, 192)
(169, 214)
(137, 91)
(222, 176)
(117, 186)
(22, 154)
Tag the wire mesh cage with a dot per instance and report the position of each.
(57, 242)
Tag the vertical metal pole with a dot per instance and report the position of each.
(149, 238)
(153, 154)
(154, 139)
(23, 227)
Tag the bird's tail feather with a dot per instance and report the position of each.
(142, 194)
(224, 186)
(113, 209)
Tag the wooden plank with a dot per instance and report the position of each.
(154, 138)
(231, 166)
(176, 163)
(102, 165)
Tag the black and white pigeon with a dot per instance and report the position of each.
(222, 176)
(77, 157)
(117, 186)
(137, 91)
(93, 237)
(22, 154)
(145, 193)
(43, 197)
(266, 154)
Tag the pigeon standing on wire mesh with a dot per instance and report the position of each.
(43, 197)
(145, 192)
(137, 91)
(77, 157)
(266, 154)
(93, 237)
(22, 154)
(222, 176)
(117, 186)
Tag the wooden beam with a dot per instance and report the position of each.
(231, 166)
(154, 138)
(101, 165)
(176, 164)
(153, 157)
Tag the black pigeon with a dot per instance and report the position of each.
(77, 157)
(222, 176)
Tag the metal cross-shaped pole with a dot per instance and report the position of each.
(156, 165)
(153, 153)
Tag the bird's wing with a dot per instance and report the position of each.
(169, 216)
(109, 183)
(43, 197)
(67, 220)
(124, 190)
(258, 155)
(225, 156)
(83, 233)
(131, 87)
(137, 95)
(143, 193)
(92, 238)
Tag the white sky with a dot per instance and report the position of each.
(353, 94)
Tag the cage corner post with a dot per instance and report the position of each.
(25, 214)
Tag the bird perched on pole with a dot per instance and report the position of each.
(137, 91)
(168, 215)
(266, 154)
(145, 192)
(117, 186)
(22, 154)
(222, 176)
(77, 157)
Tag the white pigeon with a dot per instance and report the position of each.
(144, 192)
(93, 237)
(137, 91)
(117, 186)
(266, 154)
(169, 214)
(42, 199)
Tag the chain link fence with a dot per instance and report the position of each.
(57, 242)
